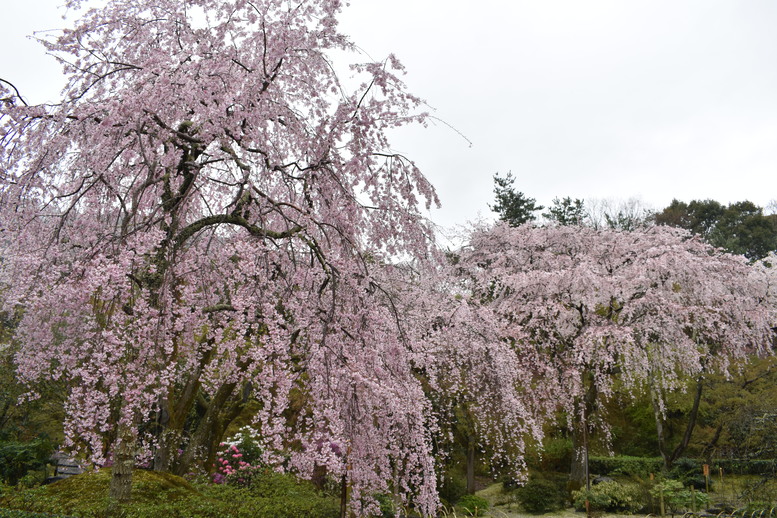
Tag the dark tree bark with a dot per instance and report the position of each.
(578, 473)
(344, 496)
(210, 428)
(692, 418)
(670, 457)
(120, 491)
(710, 447)
(471, 465)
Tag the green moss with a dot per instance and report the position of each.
(15, 513)
(87, 494)
(157, 495)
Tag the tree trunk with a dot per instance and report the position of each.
(344, 495)
(471, 465)
(577, 471)
(202, 444)
(675, 454)
(120, 491)
(709, 448)
(169, 439)
(659, 417)
(692, 417)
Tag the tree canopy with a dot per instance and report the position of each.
(513, 207)
(581, 305)
(740, 228)
(203, 219)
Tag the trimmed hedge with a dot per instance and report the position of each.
(643, 466)
(540, 496)
(624, 465)
(611, 497)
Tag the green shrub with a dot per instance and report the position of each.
(386, 504)
(643, 466)
(275, 495)
(18, 458)
(677, 497)
(610, 497)
(452, 489)
(690, 472)
(473, 505)
(554, 455)
(624, 465)
(746, 466)
(539, 496)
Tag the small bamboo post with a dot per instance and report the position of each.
(661, 500)
(652, 498)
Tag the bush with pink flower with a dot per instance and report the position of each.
(240, 460)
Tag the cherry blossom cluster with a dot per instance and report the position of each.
(203, 218)
(211, 216)
(581, 305)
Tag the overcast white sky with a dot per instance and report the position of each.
(657, 99)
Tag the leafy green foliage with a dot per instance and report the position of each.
(553, 455)
(566, 211)
(624, 465)
(19, 458)
(610, 497)
(16, 513)
(473, 505)
(387, 507)
(740, 228)
(631, 417)
(684, 469)
(513, 206)
(540, 495)
(690, 473)
(677, 497)
(748, 466)
(452, 488)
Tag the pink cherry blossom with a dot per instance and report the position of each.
(206, 212)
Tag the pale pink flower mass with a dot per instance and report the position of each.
(211, 210)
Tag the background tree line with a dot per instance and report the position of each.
(741, 228)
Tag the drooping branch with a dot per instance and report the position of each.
(232, 219)
(19, 95)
